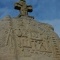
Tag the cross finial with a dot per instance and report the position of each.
(23, 8)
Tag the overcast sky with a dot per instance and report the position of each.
(47, 11)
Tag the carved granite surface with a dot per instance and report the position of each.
(26, 39)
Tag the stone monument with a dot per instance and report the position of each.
(23, 38)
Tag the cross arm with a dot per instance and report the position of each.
(30, 9)
(17, 6)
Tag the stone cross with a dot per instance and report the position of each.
(23, 8)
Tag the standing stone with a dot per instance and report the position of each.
(24, 38)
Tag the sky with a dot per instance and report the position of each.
(47, 11)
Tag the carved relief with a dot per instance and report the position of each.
(35, 35)
(33, 46)
(4, 38)
(27, 52)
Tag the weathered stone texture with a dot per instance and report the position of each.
(26, 39)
